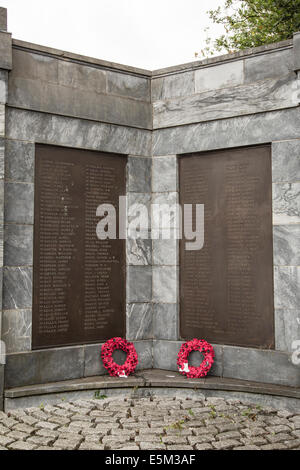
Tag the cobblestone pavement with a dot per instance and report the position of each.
(151, 424)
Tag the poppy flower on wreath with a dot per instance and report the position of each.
(208, 358)
(114, 369)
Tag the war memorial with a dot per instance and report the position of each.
(79, 136)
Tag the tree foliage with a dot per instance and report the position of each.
(252, 23)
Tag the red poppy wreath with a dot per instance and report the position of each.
(195, 345)
(114, 369)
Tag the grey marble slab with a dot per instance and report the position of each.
(74, 75)
(42, 366)
(265, 95)
(286, 245)
(138, 211)
(17, 288)
(1, 245)
(19, 161)
(164, 174)
(274, 64)
(2, 120)
(123, 84)
(2, 150)
(139, 284)
(18, 245)
(139, 321)
(16, 330)
(1, 201)
(260, 366)
(286, 161)
(165, 252)
(139, 172)
(1, 386)
(296, 49)
(219, 76)
(139, 251)
(3, 21)
(80, 133)
(93, 364)
(233, 132)
(165, 210)
(19, 203)
(52, 98)
(287, 328)
(287, 287)
(35, 66)
(1, 289)
(144, 352)
(5, 50)
(165, 284)
(286, 203)
(3, 86)
(165, 321)
(172, 86)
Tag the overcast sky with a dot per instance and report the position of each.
(143, 33)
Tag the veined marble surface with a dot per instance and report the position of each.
(80, 133)
(261, 96)
(225, 133)
(16, 330)
(286, 161)
(139, 321)
(286, 203)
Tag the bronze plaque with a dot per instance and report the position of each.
(226, 288)
(78, 280)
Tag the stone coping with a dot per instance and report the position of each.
(154, 378)
(30, 47)
(277, 46)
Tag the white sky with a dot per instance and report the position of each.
(143, 33)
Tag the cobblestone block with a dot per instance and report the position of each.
(228, 435)
(91, 446)
(154, 446)
(174, 440)
(201, 439)
(273, 447)
(65, 444)
(24, 428)
(3, 430)
(41, 441)
(258, 441)
(246, 448)
(47, 425)
(17, 435)
(5, 440)
(251, 432)
(225, 444)
(205, 446)
(280, 437)
(46, 433)
(21, 445)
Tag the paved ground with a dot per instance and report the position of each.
(149, 423)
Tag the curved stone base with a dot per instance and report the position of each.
(154, 382)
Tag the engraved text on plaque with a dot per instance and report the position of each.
(226, 289)
(79, 280)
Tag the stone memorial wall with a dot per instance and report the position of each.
(66, 118)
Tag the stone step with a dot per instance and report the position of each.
(153, 378)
